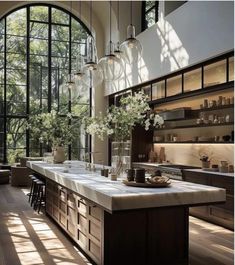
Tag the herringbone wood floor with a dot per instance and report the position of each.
(27, 238)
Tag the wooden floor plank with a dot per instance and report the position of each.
(28, 238)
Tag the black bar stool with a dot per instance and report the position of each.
(40, 197)
(32, 177)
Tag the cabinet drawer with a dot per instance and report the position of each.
(49, 208)
(94, 249)
(195, 177)
(223, 182)
(62, 206)
(82, 240)
(56, 213)
(62, 194)
(82, 223)
(95, 212)
(71, 199)
(71, 228)
(94, 230)
(62, 220)
(228, 205)
(82, 207)
(72, 216)
(221, 213)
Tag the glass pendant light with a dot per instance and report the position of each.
(131, 47)
(110, 64)
(71, 89)
(92, 72)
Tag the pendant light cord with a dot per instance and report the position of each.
(118, 15)
(131, 12)
(110, 31)
(91, 16)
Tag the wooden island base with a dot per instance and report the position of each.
(152, 236)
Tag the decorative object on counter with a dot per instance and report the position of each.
(118, 123)
(224, 167)
(231, 169)
(154, 182)
(121, 157)
(139, 175)
(217, 138)
(205, 161)
(130, 174)
(162, 156)
(226, 138)
(205, 104)
(113, 176)
(58, 154)
(152, 156)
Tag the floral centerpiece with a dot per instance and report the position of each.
(119, 121)
(55, 129)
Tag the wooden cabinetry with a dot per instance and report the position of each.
(222, 214)
(81, 219)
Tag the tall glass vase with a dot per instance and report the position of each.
(121, 157)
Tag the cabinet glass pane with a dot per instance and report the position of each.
(147, 91)
(158, 90)
(231, 69)
(215, 73)
(174, 86)
(192, 80)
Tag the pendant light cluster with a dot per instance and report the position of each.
(90, 72)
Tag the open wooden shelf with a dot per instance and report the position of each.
(195, 126)
(191, 142)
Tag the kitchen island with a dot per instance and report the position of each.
(115, 224)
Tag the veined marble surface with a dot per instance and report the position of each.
(114, 195)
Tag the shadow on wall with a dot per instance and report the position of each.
(172, 56)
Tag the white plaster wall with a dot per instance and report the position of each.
(195, 31)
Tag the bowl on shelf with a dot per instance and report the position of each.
(158, 138)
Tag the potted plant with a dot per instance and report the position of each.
(118, 123)
(55, 130)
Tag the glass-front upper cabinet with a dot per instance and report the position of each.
(193, 80)
(174, 85)
(158, 90)
(231, 69)
(215, 73)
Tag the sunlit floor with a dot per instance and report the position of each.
(28, 238)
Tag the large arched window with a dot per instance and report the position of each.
(39, 45)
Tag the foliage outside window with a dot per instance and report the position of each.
(39, 45)
(149, 13)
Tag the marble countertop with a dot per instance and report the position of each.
(114, 195)
(210, 172)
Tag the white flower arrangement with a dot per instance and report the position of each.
(119, 121)
(54, 128)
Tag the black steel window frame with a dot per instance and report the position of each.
(5, 115)
(144, 22)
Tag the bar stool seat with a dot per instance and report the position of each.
(4, 176)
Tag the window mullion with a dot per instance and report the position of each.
(27, 75)
(49, 59)
(5, 95)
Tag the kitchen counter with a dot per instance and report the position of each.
(114, 195)
(210, 172)
(116, 224)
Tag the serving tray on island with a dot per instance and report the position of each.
(146, 184)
